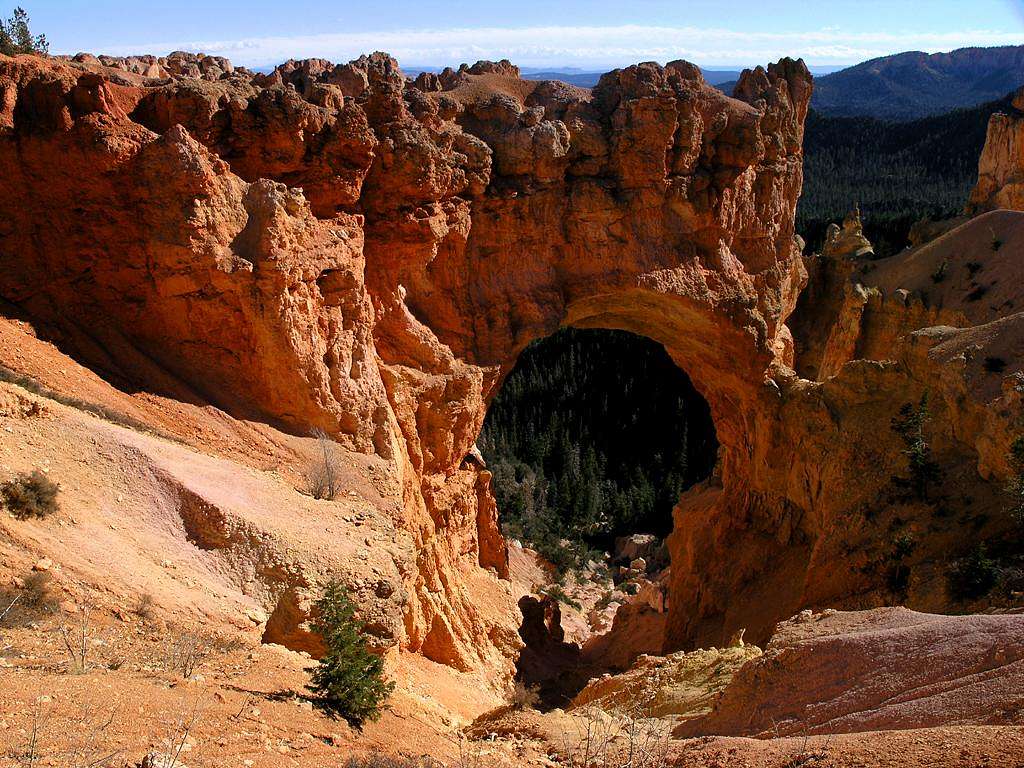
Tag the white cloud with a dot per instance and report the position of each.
(584, 46)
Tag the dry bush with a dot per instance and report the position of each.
(381, 760)
(629, 740)
(525, 696)
(30, 494)
(184, 653)
(77, 639)
(144, 607)
(808, 756)
(323, 478)
(174, 744)
(87, 733)
(25, 604)
(38, 590)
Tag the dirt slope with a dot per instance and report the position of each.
(878, 670)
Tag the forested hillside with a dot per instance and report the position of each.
(898, 172)
(593, 435)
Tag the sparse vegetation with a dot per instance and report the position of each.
(973, 576)
(380, 760)
(557, 593)
(29, 495)
(940, 273)
(23, 604)
(77, 639)
(16, 37)
(973, 268)
(630, 739)
(184, 652)
(910, 425)
(38, 590)
(904, 545)
(323, 477)
(996, 243)
(900, 173)
(525, 696)
(144, 607)
(349, 678)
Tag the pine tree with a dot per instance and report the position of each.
(1015, 488)
(15, 36)
(909, 424)
(349, 678)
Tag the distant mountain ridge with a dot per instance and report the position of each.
(911, 85)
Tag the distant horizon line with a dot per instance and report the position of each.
(577, 70)
(588, 48)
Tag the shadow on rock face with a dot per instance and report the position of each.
(547, 662)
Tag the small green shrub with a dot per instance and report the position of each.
(557, 593)
(940, 274)
(349, 678)
(910, 425)
(974, 576)
(31, 494)
(973, 267)
(15, 36)
(903, 545)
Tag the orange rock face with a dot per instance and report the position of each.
(338, 247)
(1001, 168)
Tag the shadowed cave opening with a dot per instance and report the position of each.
(591, 440)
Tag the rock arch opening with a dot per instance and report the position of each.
(591, 440)
(592, 437)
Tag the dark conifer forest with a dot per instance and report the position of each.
(898, 172)
(594, 435)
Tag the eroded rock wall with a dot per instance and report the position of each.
(337, 247)
(1001, 167)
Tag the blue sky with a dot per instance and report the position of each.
(558, 33)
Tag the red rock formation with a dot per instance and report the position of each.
(338, 247)
(1001, 168)
(873, 671)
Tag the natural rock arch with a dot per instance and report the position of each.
(679, 228)
(444, 225)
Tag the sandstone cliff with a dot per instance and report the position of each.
(337, 247)
(1001, 167)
